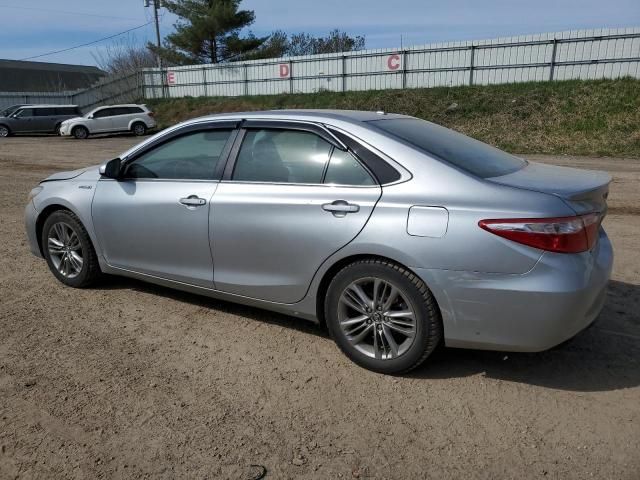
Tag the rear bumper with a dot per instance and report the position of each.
(560, 296)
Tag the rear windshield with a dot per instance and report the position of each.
(464, 152)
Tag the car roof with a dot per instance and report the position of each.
(121, 105)
(43, 105)
(318, 115)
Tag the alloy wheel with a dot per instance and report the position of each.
(377, 318)
(138, 129)
(4, 131)
(65, 249)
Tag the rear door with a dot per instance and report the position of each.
(288, 200)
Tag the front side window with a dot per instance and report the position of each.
(105, 112)
(193, 156)
(283, 156)
(24, 113)
(344, 169)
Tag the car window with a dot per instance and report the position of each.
(105, 112)
(344, 169)
(25, 112)
(193, 156)
(287, 156)
(45, 112)
(66, 111)
(464, 152)
(119, 111)
(132, 110)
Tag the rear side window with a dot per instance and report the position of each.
(284, 156)
(344, 169)
(132, 110)
(464, 152)
(67, 111)
(193, 156)
(44, 112)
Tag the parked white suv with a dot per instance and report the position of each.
(111, 119)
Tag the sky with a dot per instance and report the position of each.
(34, 27)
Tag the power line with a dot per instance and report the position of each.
(88, 43)
(84, 14)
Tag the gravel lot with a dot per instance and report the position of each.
(129, 380)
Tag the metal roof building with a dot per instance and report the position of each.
(21, 76)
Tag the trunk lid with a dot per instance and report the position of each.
(585, 191)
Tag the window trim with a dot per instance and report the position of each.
(181, 132)
(309, 127)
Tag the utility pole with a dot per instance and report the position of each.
(156, 7)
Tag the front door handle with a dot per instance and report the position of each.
(193, 201)
(340, 208)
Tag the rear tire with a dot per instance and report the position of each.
(139, 129)
(382, 316)
(68, 250)
(80, 132)
(4, 131)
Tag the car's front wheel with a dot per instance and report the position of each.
(4, 131)
(68, 250)
(80, 132)
(382, 316)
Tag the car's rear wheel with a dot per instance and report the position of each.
(80, 132)
(4, 131)
(382, 316)
(68, 250)
(139, 129)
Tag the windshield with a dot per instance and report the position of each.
(7, 111)
(464, 152)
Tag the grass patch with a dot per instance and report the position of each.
(576, 117)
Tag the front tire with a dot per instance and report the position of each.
(80, 133)
(68, 250)
(382, 316)
(4, 131)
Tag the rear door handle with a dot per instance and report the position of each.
(193, 201)
(340, 208)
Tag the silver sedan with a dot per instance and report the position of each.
(397, 234)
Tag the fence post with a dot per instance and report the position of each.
(404, 69)
(246, 80)
(290, 76)
(344, 73)
(471, 64)
(204, 80)
(552, 64)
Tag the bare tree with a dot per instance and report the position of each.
(124, 56)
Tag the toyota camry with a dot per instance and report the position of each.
(397, 234)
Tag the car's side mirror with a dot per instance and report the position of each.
(90, 117)
(111, 169)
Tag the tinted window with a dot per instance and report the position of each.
(281, 156)
(191, 157)
(466, 153)
(44, 112)
(27, 112)
(344, 169)
(105, 112)
(131, 110)
(120, 111)
(66, 111)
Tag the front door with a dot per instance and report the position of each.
(155, 220)
(102, 120)
(291, 202)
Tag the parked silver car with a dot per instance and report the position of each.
(396, 233)
(110, 119)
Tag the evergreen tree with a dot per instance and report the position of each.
(208, 31)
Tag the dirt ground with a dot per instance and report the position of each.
(129, 380)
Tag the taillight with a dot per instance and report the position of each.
(562, 234)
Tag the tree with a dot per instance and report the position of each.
(124, 56)
(279, 44)
(208, 31)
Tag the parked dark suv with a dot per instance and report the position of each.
(37, 119)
